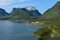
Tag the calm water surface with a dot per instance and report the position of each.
(16, 31)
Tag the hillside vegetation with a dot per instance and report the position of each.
(51, 27)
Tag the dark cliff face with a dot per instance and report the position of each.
(32, 11)
(3, 12)
(52, 12)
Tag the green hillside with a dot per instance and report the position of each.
(52, 12)
(51, 24)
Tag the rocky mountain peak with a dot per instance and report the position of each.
(30, 8)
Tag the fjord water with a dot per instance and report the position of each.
(16, 31)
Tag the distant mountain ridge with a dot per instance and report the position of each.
(30, 10)
(22, 14)
(3, 12)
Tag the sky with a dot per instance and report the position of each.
(40, 5)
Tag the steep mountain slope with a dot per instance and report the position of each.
(3, 12)
(52, 12)
(32, 11)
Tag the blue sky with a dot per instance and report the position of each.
(41, 5)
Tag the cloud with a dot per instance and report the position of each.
(4, 2)
(7, 2)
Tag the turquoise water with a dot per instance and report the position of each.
(16, 31)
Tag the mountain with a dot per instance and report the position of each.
(28, 13)
(32, 11)
(3, 12)
(52, 12)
